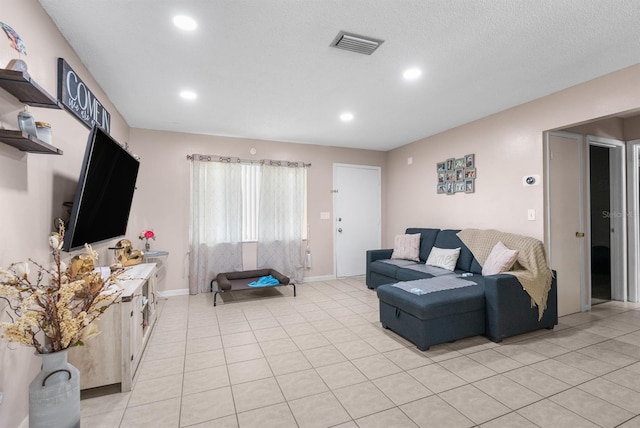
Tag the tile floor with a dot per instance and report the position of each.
(321, 359)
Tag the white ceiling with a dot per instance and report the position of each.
(263, 68)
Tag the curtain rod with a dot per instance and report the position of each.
(231, 159)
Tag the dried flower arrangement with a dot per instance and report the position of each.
(57, 309)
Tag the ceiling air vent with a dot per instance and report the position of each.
(356, 43)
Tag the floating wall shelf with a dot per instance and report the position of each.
(27, 143)
(20, 85)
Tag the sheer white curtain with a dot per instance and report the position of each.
(216, 221)
(280, 220)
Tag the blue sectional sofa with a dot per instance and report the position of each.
(496, 306)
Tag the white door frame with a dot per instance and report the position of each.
(585, 299)
(618, 206)
(633, 197)
(379, 209)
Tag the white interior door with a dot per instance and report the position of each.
(565, 224)
(357, 216)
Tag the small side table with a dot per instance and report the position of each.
(160, 259)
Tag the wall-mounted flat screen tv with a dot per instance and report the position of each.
(104, 194)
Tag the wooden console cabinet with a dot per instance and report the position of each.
(114, 355)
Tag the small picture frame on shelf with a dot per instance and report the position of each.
(459, 163)
(441, 167)
(470, 161)
(469, 185)
(449, 163)
(469, 173)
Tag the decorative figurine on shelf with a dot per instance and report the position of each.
(146, 235)
(15, 41)
(126, 255)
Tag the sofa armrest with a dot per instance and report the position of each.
(508, 308)
(373, 255)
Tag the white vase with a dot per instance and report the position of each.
(54, 394)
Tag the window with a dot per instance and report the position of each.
(251, 202)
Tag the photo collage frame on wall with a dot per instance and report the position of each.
(457, 175)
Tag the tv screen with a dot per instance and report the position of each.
(104, 194)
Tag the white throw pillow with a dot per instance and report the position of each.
(444, 257)
(407, 247)
(501, 259)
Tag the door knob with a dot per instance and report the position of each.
(340, 229)
(579, 234)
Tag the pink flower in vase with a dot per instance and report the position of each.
(146, 235)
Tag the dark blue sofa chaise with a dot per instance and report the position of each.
(497, 307)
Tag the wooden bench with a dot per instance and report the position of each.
(239, 281)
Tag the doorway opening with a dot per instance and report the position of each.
(600, 197)
(607, 219)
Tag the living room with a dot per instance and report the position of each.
(508, 145)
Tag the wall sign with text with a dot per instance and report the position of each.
(74, 94)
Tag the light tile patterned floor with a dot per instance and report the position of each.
(321, 359)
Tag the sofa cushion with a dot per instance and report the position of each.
(500, 260)
(443, 257)
(475, 267)
(406, 247)
(449, 239)
(428, 237)
(411, 274)
(387, 269)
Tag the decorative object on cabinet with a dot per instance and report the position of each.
(456, 175)
(71, 89)
(20, 85)
(146, 235)
(54, 309)
(126, 255)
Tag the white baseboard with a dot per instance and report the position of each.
(318, 278)
(171, 293)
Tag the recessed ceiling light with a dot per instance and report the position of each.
(346, 117)
(412, 73)
(188, 95)
(184, 22)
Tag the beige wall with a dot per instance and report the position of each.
(33, 186)
(508, 146)
(162, 198)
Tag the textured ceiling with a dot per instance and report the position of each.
(264, 69)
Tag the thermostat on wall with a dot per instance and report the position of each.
(530, 180)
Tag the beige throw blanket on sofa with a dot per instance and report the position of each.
(531, 269)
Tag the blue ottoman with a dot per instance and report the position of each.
(433, 318)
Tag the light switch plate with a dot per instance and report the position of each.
(325, 215)
(531, 214)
